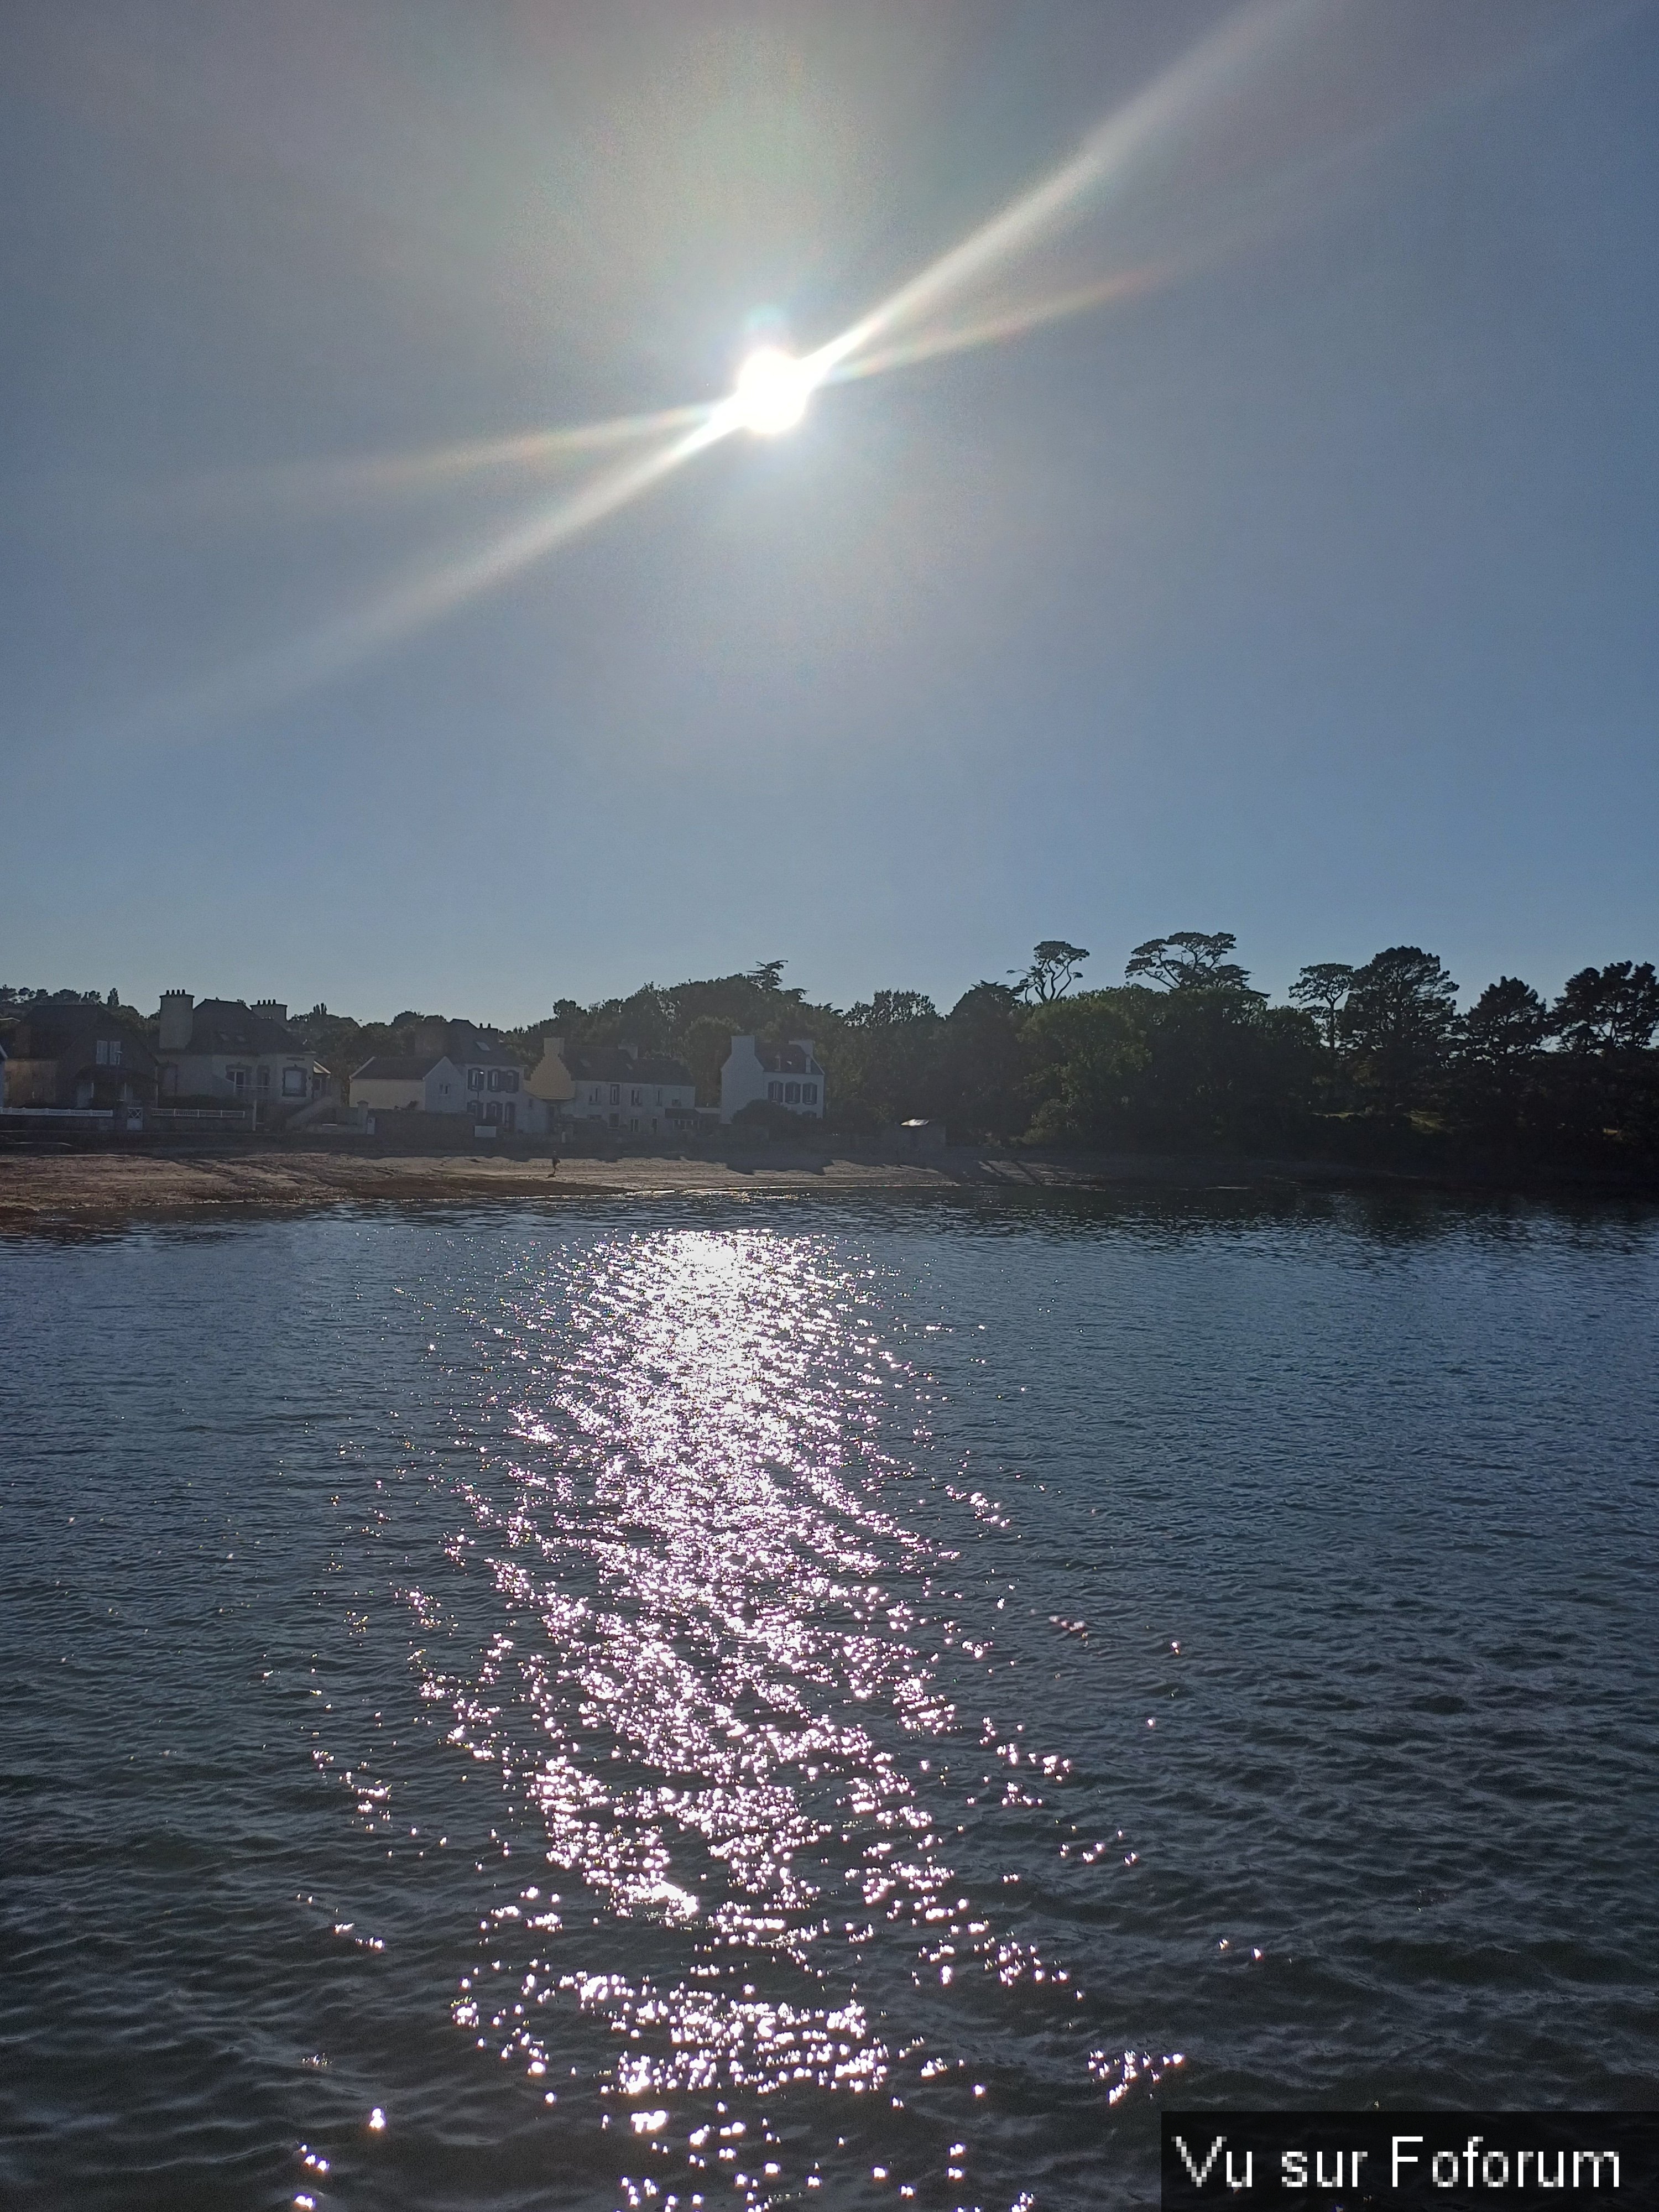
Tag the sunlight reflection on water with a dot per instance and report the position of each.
(719, 1676)
(770, 1707)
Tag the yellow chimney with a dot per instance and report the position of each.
(549, 1078)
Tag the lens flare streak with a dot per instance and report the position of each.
(283, 672)
(1264, 40)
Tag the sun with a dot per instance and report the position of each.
(772, 391)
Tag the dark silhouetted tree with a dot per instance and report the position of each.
(891, 1010)
(704, 1048)
(1506, 1026)
(981, 1082)
(1500, 1090)
(882, 1065)
(1609, 1089)
(1173, 1071)
(1400, 1013)
(1055, 966)
(1608, 1010)
(1189, 960)
(1323, 990)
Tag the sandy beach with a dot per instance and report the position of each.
(51, 1191)
(54, 1190)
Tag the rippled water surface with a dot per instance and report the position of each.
(805, 1704)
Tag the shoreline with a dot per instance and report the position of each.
(51, 1192)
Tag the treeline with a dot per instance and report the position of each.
(1374, 1061)
(1368, 1061)
(1371, 1062)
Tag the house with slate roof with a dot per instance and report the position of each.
(788, 1075)
(455, 1068)
(423, 1081)
(223, 1051)
(492, 1080)
(634, 1094)
(75, 1053)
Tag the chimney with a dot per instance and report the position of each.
(273, 1009)
(550, 1078)
(178, 1020)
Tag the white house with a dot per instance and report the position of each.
(788, 1075)
(454, 1069)
(493, 1083)
(223, 1049)
(393, 1082)
(635, 1094)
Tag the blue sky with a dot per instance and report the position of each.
(1307, 591)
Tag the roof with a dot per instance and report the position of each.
(784, 1058)
(398, 1067)
(48, 1032)
(610, 1064)
(227, 1025)
(473, 1048)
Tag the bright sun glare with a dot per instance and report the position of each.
(772, 391)
(774, 387)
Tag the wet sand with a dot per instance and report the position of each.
(63, 1190)
(53, 1190)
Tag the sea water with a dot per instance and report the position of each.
(814, 1703)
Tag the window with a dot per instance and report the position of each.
(475, 1078)
(493, 1111)
(809, 1092)
(237, 1079)
(293, 1082)
(615, 1094)
(792, 1094)
(635, 1125)
(109, 1052)
(510, 1079)
(634, 1098)
(494, 1078)
(510, 1117)
(774, 1091)
(264, 1080)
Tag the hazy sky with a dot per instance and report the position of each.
(1306, 588)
